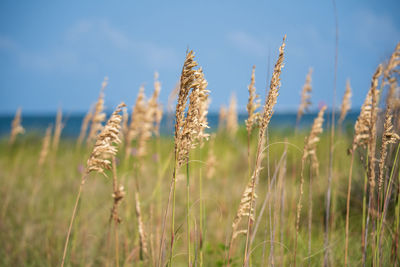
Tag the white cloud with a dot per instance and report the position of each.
(247, 43)
(153, 54)
(373, 29)
(96, 38)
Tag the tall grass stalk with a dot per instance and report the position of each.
(188, 211)
(331, 143)
(201, 219)
(78, 197)
(114, 213)
(268, 110)
(397, 223)
(98, 161)
(271, 222)
(364, 224)
(171, 197)
(298, 212)
(378, 254)
(310, 214)
(346, 246)
(173, 216)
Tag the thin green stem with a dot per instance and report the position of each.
(201, 210)
(364, 214)
(298, 211)
(188, 210)
(310, 207)
(346, 246)
(173, 214)
(78, 197)
(385, 203)
(397, 221)
(171, 192)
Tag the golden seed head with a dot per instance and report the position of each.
(99, 116)
(310, 146)
(45, 146)
(273, 93)
(57, 130)
(104, 147)
(222, 117)
(189, 129)
(365, 121)
(305, 96)
(253, 103)
(16, 127)
(85, 124)
(346, 102)
(232, 117)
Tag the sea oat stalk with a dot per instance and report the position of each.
(364, 132)
(305, 102)
(57, 131)
(232, 117)
(118, 195)
(84, 126)
(388, 137)
(308, 152)
(222, 118)
(246, 207)
(182, 139)
(98, 115)
(45, 146)
(16, 127)
(252, 115)
(346, 104)
(98, 161)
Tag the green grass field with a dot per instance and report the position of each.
(37, 203)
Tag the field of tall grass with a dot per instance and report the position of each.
(240, 195)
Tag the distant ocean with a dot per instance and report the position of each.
(38, 123)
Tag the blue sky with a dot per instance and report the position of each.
(55, 54)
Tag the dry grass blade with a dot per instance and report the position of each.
(346, 103)
(16, 127)
(104, 147)
(57, 131)
(244, 210)
(305, 97)
(364, 135)
(388, 137)
(372, 128)
(98, 161)
(249, 193)
(141, 229)
(187, 82)
(273, 93)
(309, 151)
(222, 118)
(253, 103)
(98, 116)
(45, 146)
(364, 124)
(84, 127)
(155, 107)
(124, 125)
(204, 102)
(211, 159)
(183, 136)
(232, 117)
(139, 127)
(189, 130)
(310, 147)
(392, 64)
